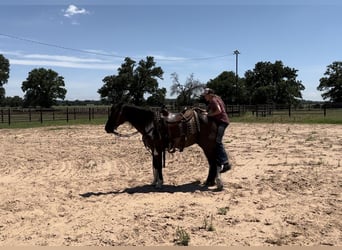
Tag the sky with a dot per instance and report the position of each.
(85, 41)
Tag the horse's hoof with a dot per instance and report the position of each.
(159, 185)
(209, 183)
(219, 185)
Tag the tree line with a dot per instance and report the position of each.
(137, 83)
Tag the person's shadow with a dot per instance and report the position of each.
(185, 188)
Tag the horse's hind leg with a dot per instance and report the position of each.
(218, 179)
(212, 173)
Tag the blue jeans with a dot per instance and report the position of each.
(221, 154)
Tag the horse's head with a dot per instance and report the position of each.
(115, 118)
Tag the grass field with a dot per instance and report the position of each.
(333, 116)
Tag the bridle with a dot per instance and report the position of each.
(120, 134)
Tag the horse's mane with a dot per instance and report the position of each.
(138, 115)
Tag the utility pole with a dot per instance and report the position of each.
(236, 53)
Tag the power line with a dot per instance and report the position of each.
(59, 46)
(106, 54)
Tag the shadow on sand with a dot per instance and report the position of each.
(185, 188)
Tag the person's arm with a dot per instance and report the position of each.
(215, 110)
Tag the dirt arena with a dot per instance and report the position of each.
(79, 186)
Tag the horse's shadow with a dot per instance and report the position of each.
(144, 189)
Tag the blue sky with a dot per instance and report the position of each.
(84, 41)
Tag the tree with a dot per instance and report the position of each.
(132, 82)
(157, 98)
(114, 90)
(186, 92)
(145, 80)
(15, 101)
(273, 83)
(227, 88)
(4, 75)
(332, 83)
(43, 87)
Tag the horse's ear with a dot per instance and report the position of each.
(117, 105)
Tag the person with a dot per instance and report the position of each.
(217, 112)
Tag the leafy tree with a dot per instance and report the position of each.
(157, 98)
(114, 90)
(186, 92)
(332, 83)
(145, 80)
(15, 101)
(4, 75)
(43, 87)
(273, 83)
(132, 82)
(225, 85)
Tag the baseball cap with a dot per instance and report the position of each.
(207, 91)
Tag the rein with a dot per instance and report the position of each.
(125, 135)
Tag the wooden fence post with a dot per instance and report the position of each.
(256, 110)
(41, 115)
(67, 114)
(9, 116)
(290, 110)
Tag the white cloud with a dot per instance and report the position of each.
(61, 58)
(73, 10)
(63, 64)
(18, 58)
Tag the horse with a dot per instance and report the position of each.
(169, 131)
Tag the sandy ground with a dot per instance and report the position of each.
(79, 186)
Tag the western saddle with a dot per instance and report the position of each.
(178, 127)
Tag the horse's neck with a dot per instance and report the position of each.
(140, 123)
(143, 129)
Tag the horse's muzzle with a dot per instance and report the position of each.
(109, 129)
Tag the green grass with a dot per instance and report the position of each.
(182, 237)
(332, 117)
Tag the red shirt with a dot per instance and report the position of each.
(212, 106)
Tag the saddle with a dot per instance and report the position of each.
(179, 127)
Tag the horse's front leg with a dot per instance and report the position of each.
(157, 162)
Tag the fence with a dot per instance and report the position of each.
(288, 110)
(16, 115)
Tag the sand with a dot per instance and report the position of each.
(78, 186)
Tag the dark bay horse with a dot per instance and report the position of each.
(173, 131)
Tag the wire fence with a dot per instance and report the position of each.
(17, 115)
(27, 115)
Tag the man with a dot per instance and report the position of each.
(216, 111)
